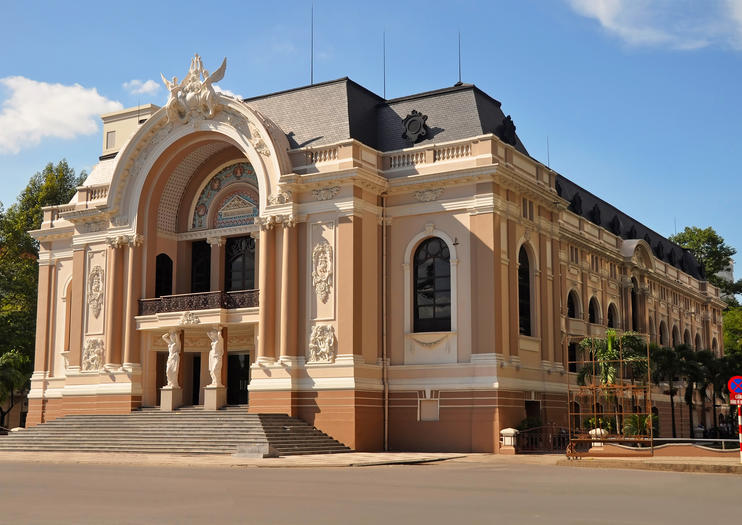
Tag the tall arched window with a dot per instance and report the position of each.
(524, 292)
(432, 282)
(612, 316)
(163, 275)
(698, 341)
(686, 337)
(594, 313)
(664, 336)
(675, 336)
(573, 305)
(239, 262)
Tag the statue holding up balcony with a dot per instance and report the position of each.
(216, 355)
(172, 339)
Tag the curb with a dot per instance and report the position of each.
(357, 464)
(656, 466)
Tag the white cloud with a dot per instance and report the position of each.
(35, 110)
(227, 92)
(137, 87)
(674, 24)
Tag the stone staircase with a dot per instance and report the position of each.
(189, 430)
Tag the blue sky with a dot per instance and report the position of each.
(640, 99)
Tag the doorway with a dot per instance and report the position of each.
(238, 378)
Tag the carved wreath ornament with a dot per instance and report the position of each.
(95, 290)
(322, 344)
(322, 270)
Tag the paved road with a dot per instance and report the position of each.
(453, 492)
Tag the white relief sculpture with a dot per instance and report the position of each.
(322, 344)
(92, 355)
(118, 241)
(257, 140)
(195, 95)
(325, 194)
(216, 355)
(266, 223)
(428, 195)
(322, 270)
(172, 339)
(188, 318)
(95, 290)
(281, 197)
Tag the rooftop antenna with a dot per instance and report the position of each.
(548, 157)
(383, 51)
(459, 82)
(311, 48)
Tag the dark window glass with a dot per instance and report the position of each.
(524, 292)
(163, 275)
(572, 357)
(239, 261)
(572, 305)
(432, 282)
(612, 315)
(594, 311)
(200, 267)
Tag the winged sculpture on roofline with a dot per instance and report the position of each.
(194, 94)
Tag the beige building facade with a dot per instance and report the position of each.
(398, 273)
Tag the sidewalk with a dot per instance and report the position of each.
(729, 465)
(350, 459)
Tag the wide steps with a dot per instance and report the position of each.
(185, 431)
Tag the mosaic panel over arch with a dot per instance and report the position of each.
(236, 208)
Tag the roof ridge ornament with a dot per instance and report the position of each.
(194, 96)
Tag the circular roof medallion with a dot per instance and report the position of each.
(414, 126)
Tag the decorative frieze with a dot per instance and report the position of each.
(322, 270)
(281, 197)
(326, 194)
(428, 195)
(92, 355)
(95, 290)
(322, 344)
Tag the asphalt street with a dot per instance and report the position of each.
(452, 492)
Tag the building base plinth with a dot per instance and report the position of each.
(170, 398)
(215, 397)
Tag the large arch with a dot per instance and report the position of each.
(157, 141)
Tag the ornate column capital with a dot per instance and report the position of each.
(136, 240)
(118, 241)
(216, 241)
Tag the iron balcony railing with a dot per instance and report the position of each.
(199, 301)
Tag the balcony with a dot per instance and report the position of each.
(199, 301)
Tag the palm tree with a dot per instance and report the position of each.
(665, 366)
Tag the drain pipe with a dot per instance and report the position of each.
(384, 360)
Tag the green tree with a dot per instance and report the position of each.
(732, 329)
(55, 184)
(666, 367)
(712, 252)
(15, 372)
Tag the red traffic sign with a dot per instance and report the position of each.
(735, 390)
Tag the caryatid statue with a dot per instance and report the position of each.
(216, 355)
(172, 339)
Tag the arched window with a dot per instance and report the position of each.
(686, 337)
(594, 311)
(612, 316)
(573, 305)
(239, 264)
(714, 345)
(432, 282)
(664, 336)
(675, 336)
(524, 292)
(698, 341)
(163, 275)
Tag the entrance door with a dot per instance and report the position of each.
(238, 377)
(196, 390)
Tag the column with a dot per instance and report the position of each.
(546, 353)
(289, 290)
(217, 263)
(557, 284)
(485, 263)
(266, 271)
(43, 308)
(77, 307)
(513, 293)
(132, 355)
(114, 294)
